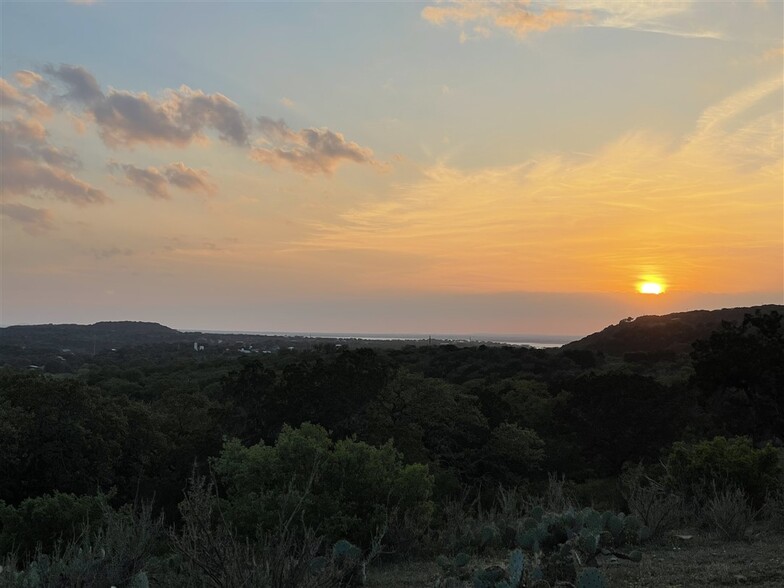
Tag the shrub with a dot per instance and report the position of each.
(356, 488)
(724, 463)
(44, 520)
(729, 513)
(649, 500)
(116, 553)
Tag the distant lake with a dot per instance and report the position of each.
(538, 341)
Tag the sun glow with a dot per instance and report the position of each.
(650, 288)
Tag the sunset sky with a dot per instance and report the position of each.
(445, 167)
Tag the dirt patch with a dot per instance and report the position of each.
(699, 562)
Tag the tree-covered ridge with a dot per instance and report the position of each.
(669, 333)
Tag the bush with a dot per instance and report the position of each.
(116, 553)
(728, 513)
(354, 489)
(725, 463)
(659, 509)
(45, 520)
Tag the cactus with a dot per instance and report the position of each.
(615, 526)
(139, 581)
(635, 556)
(345, 550)
(317, 565)
(588, 541)
(498, 577)
(516, 567)
(537, 513)
(488, 535)
(529, 523)
(591, 578)
(593, 520)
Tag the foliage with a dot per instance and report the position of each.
(740, 370)
(657, 507)
(729, 513)
(356, 489)
(695, 467)
(46, 520)
(116, 554)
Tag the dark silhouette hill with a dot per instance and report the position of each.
(86, 338)
(669, 333)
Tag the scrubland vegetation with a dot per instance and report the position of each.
(421, 466)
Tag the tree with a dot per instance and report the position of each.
(739, 371)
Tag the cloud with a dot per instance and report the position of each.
(156, 181)
(521, 17)
(125, 119)
(309, 151)
(30, 165)
(14, 99)
(703, 211)
(27, 79)
(178, 117)
(287, 102)
(111, 252)
(33, 220)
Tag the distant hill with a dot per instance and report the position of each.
(86, 338)
(669, 333)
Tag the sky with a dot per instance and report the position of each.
(389, 167)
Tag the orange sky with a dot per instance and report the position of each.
(446, 167)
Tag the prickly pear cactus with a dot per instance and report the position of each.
(139, 581)
(537, 513)
(516, 567)
(346, 550)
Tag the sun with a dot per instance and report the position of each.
(650, 288)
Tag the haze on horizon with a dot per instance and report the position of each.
(442, 167)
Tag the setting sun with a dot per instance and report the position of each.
(650, 288)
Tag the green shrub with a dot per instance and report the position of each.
(725, 463)
(348, 488)
(46, 519)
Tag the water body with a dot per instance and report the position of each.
(523, 340)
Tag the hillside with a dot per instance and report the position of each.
(86, 338)
(669, 333)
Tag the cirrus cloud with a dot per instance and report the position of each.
(522, 17)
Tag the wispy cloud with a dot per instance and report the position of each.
(30, 165)
(478, 18)
(309, 151)
(156, 181)
(14, 99)
(33, 220)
